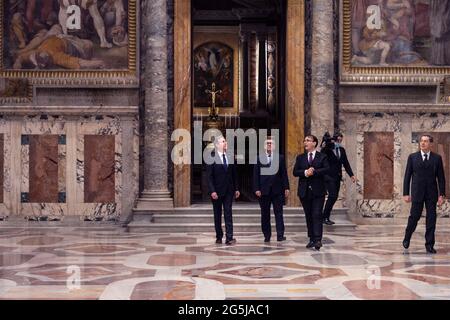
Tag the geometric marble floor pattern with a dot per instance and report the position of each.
(110, 263)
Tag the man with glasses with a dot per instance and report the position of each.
(311, 168)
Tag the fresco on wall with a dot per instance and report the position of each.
(65, 34)
(400, 33)
(213, 63)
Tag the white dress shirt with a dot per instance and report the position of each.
(423, 155)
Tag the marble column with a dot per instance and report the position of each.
(322, 85)
(295, 90)
(156, 191)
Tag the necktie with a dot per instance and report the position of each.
(310, 159)
(269, 157)
(338, 155)
(425, 159)
(224, 160)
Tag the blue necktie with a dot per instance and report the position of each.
(224, 159)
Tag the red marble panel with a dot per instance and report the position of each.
(99, 179)
(176, 259)
(164, 290)
(378, 165)
(441, 145)
(43, 168)
(1, 165)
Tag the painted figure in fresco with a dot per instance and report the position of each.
(400, 17)
(358, 9)
(91, 6)
(440, 32)
(114, 16)
(426, 170)
(46, 8)
(371, 44)
(213, 62)
(397, 9)
(64, 51)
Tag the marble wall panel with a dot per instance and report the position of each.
(382, 203)
(378, 165)
(99, 168)
(1, 166)
(403, 129)
(99, 210)
(43, 168)
(34, 191)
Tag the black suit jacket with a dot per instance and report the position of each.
(315, 183)
(425, 177)
(336, 164)
(275, 183)
(220, 180)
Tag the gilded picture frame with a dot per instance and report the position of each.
(101, 52)
(392, 41)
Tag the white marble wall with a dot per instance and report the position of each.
(354, 123)
(70, 166)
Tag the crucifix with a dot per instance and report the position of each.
(213, 112)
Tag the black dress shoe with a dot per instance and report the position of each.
(281, 238)
(310, 244)
(317, 245)
(430, 249)
(266, 239)
(406, 244)
(328, 222)
(219, 241)
(230, 241)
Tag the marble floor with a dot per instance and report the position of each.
(110, 263)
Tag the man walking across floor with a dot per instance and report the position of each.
(337, 158)
(223, 187)
(426, 170)
(311, 168)
(271, 188)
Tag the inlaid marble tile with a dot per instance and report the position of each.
(164, 290)
(172, 260)
(387, 290)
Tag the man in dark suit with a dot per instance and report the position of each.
(311, 168)
(337, 157)
(271, 187)
(427, 187)
(223, 186)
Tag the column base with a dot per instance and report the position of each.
(154, 200)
